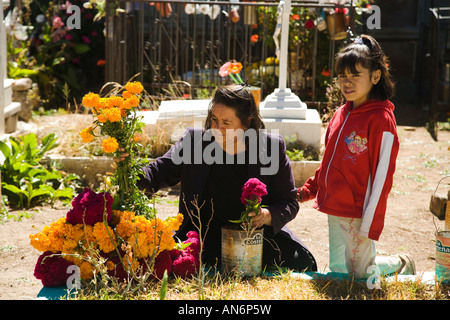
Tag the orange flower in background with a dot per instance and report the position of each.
(126, 94)
(110, 145)
(86, 134)
(235, 67)
(254, 38)
(101, 62)
(134, 87)
(90, 100)
(131, 102)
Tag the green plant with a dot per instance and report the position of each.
(25, 181)
(297, 150)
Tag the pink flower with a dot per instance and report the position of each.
(57, 22)
(68, 37)
(253, 190)
(52, 271)
(88, 207)
(194, 247)
(185, 265)
(85, 39)
(224, 70)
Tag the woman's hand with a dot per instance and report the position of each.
(264, 217)
(122, 156)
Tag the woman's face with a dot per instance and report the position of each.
(226, 126)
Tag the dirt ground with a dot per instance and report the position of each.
(410, 227)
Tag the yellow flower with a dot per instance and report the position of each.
(116, 101)
(102, 237)
(126, 94)
(101, 118)
(110, 145)
(131, 102)
(134, 87)
(113, 114)
(86, 134)
(90, 100)
(86, 270)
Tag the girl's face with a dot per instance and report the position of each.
(226, 126)
(356, 87)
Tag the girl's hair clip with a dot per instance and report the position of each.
(359, 40)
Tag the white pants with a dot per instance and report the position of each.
(356, 255)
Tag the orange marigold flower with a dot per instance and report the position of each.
(86, 134)
(101, 117)
(90, 100)
(126, 94)
(116, 101)
(103, 237)
(110, 145)
(113, 114)
(134, 87)
(131, 102)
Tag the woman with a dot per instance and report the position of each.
(213, 164)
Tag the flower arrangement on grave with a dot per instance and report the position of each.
(252, 192)
(114, 234)
(93, 236)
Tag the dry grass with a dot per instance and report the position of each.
(288, 287)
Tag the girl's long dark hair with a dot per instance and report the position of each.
(368, 53)
(241, 100)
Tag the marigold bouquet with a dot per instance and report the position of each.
(127, 243)
(117, 120)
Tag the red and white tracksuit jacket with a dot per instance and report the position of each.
(356, 173)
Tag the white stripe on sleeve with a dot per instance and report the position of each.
(378, 183)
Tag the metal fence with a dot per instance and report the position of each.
(179, 54)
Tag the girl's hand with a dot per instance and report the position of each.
(264, 217)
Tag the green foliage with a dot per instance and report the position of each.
(25, 181)
(296, 150)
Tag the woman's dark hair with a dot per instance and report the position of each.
(241, 100)
(368, 53)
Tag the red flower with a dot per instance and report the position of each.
(309, 24)
(52, 271)
(253, 190)
(101, 62)
(295, 17)
(185, 265)
(326, 73)
(254, 38)
(194, 247)
(88, 207)
(162, 262)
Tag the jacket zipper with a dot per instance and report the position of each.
(331, 159)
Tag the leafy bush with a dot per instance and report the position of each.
(25, 182)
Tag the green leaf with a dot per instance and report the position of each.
(5, 149)
(163, 290)
(81, 48)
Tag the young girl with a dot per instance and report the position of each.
(355, 177)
